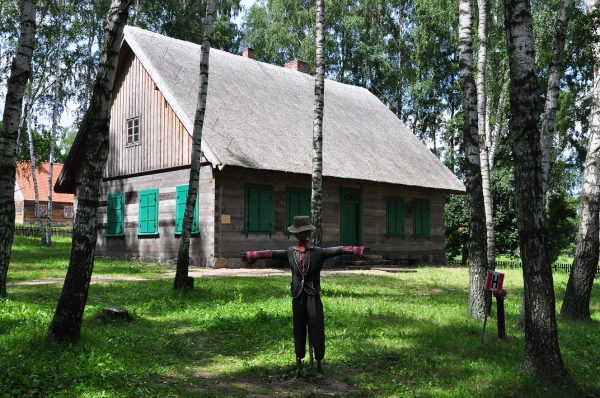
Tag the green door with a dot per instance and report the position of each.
(350, 217)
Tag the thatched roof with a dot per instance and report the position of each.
(261, 116)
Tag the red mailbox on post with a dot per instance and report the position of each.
(494, 281)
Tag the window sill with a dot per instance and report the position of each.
(147, 233)
(114, 235)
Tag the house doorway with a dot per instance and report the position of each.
(350, 217)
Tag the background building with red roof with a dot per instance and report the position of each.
(62, 203)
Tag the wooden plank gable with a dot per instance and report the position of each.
(162, 140)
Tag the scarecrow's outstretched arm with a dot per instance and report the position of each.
(329, 252)
(253, 256)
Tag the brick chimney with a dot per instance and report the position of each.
(248, 52)
(298, 65)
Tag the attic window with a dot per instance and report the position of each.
(133, 131)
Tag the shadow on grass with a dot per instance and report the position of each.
(233, 337)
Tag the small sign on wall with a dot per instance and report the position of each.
(225, 219)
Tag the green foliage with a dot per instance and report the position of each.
(561, 222)
(281, 31)
(456, 228)
(41, 147)
(505, 218)
(184, 20)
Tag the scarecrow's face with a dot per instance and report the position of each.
(303, 235)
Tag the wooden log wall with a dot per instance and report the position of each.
(163, 141)
(164, 246)
(58, 213)
(230, 241)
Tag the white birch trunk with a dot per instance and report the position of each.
(493, 132)
(33, 161)
(55, 116)
(547, 135)
(19, 75)
(182, 280)
(66, 323)
(483, 142)
(554, 76)
(317, 155)
(576, 303)
(477, 256)
(542, 358)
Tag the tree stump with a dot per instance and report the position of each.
(116, 313)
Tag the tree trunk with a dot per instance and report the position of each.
(317, 155)
(554, 76)
(182, 281)
(550, 107)
(542, 357)
(66, 324)
(576, 304)
(483, 142)
(19, 75)
(477, 256)
(55, 116)
(493, 132)
(34, 167)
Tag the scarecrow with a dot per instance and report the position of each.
(306, 263)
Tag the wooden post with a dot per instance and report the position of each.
(500, 313)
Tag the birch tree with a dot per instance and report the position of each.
(484, 152)
(576, 303)
(55, 117)
(542, 357)
(182, 280)
(317, 154)
(33, 162)
(551, 106)
(554, 76)
(473, 184)
(68, 316)
(19, 75)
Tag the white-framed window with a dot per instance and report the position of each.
(133, 130)
(43, 211)
(69, 212)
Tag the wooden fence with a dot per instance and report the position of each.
(517, 265)
(35, 231)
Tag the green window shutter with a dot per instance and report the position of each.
(253, 201)
(417, 218)
(180, 200)
(259, 208)
(148, 212)
(422, 218)
(115, 209)
(298, 204)
(426, 219)
(395, 216)
(400, 222)
(266, 210)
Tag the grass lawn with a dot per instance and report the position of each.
(388, 335)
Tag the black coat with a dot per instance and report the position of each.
(310, 282)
